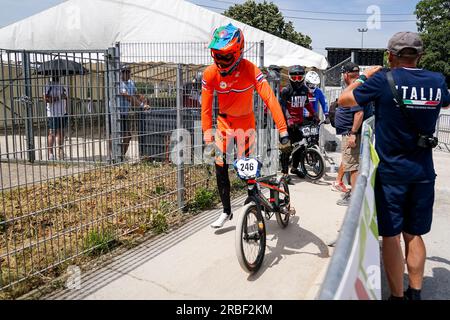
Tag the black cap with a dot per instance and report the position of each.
(275, 67)
(296, 70)
(350, 67)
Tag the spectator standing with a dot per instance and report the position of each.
(348, 123)
(128, 99)
(56, 98)
(407, 105)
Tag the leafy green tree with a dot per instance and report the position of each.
(434, 25)
(267, 17)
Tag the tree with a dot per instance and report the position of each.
(266, 16)
(434, 25)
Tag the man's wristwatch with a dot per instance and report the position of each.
(351, 133)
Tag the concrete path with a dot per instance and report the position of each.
(197, 262)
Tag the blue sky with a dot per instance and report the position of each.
(323, 33)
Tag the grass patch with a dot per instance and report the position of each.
(101, 241)
(204, 199)
(160, 189)
(159, 223)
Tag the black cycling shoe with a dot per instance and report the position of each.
(413, 294)
(299, 173)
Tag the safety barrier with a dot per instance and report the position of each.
(443, 132)
(354, 270)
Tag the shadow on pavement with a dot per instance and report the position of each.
(289, 241)
(225, 230)
(436, 287)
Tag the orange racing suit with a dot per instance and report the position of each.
(236, 119)
(235, 97)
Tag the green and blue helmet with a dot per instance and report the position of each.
(227, 48)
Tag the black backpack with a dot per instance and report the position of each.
(332, 113)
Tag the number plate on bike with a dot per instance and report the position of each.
(306, 131)
(247, 168)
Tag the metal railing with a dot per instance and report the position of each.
(443, 132)
(341, 258)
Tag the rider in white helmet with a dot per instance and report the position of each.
(316, 96)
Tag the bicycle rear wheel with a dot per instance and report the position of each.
(285, 205)
(250, 241)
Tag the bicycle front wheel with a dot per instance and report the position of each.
(313, 164)
(250, 238)
(285, 205)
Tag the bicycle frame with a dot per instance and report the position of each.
(255, 194)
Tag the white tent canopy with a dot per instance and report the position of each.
(98, 24)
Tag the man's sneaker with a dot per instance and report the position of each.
(221, 220)
(412, 294)
(299, 173)
(345, 201)
(339, 187)
(51, 157)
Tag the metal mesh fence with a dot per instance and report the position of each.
(333, 75)
(90, 152)
(443, 132)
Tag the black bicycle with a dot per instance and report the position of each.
(311, 159)
(250, 227)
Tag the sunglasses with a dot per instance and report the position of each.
(296, 77)
(311, 86)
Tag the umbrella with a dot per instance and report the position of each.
(61, 67)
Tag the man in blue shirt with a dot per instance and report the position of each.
(348, 123)
(404, 187)
(127, 98)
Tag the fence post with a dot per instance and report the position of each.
(180, 163)
(27, 101)
(113, 104)
(261, 54)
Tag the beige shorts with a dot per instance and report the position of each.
(350, 156)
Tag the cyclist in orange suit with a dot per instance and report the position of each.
(234, 79)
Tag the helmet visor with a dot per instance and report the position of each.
(296, 77)
(224, 60)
